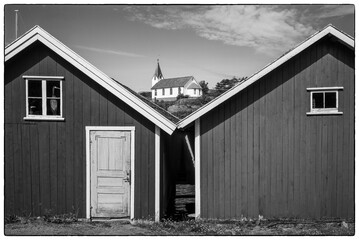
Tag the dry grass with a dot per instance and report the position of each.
(39, 226)
(273, 227)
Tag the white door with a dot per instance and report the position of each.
(110, 173)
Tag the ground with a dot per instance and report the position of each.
(188, 227)
(40, 227)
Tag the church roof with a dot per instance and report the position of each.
(158, 72)
(172, 82)
(193, 86)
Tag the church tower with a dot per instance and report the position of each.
(158, 74)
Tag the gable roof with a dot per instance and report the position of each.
(172, 82)
(123, 93)
(194, 85)
(329, 30)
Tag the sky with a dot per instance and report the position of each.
(209, 42)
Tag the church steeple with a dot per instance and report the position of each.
(158, 74)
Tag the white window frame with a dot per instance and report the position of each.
(44, 116)
(324, 111)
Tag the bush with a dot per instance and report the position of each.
(60, 218)
(180, 96)
(11, 219)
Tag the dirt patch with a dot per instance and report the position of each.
(36, 228)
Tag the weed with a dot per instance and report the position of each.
(11, 219)
(59, 218)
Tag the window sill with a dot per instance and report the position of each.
(324, 113)
(41, 118)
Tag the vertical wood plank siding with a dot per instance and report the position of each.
(261, 153)
(45, 161)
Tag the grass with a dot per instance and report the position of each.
(67, 225)
(251, 227)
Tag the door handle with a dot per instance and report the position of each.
(128, 177)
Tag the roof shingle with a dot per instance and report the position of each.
(172, 82)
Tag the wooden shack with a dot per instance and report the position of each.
(77, 141)
(281, 143)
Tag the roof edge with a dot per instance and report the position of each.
(38, 34)
(329, 29)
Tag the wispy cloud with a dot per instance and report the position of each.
(266, 28)
(107, 51)
(329, 11)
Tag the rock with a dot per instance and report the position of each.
(344, 224)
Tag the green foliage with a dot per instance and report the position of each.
(60, 218)
(180, 96)
(204, 86)
(11, 219)
(165, 104)
(147, 95)
(227, 84)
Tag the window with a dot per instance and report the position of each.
(43, 97)
(324, 100)
(155, 92)
(194, 91)
(163, 91)
(170, 91)
(179, 90)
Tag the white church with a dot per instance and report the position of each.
(167, 89)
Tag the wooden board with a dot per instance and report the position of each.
(58, 165)
(110, 171)
(304, 166)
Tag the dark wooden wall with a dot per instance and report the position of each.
(45, 167)
(261, 153)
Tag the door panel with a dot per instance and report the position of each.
(110, 168)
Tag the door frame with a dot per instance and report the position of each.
(88, 129)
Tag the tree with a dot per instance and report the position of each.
(204, 86)
(227, 84)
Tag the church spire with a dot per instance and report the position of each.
(158, 72)
(158, 76)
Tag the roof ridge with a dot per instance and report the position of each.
(330, 29)
(38, 34)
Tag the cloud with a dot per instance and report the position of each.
(268, 29)
(329, 11)
(120, 53)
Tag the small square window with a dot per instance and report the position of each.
(43, 98)
(324, 100)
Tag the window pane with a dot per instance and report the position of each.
(53, 88)
(53, 106)
(318, 101)
(330, 100)
(35, 106)
(34, 88)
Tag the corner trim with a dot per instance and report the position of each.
(157, 173)
(197, 152)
